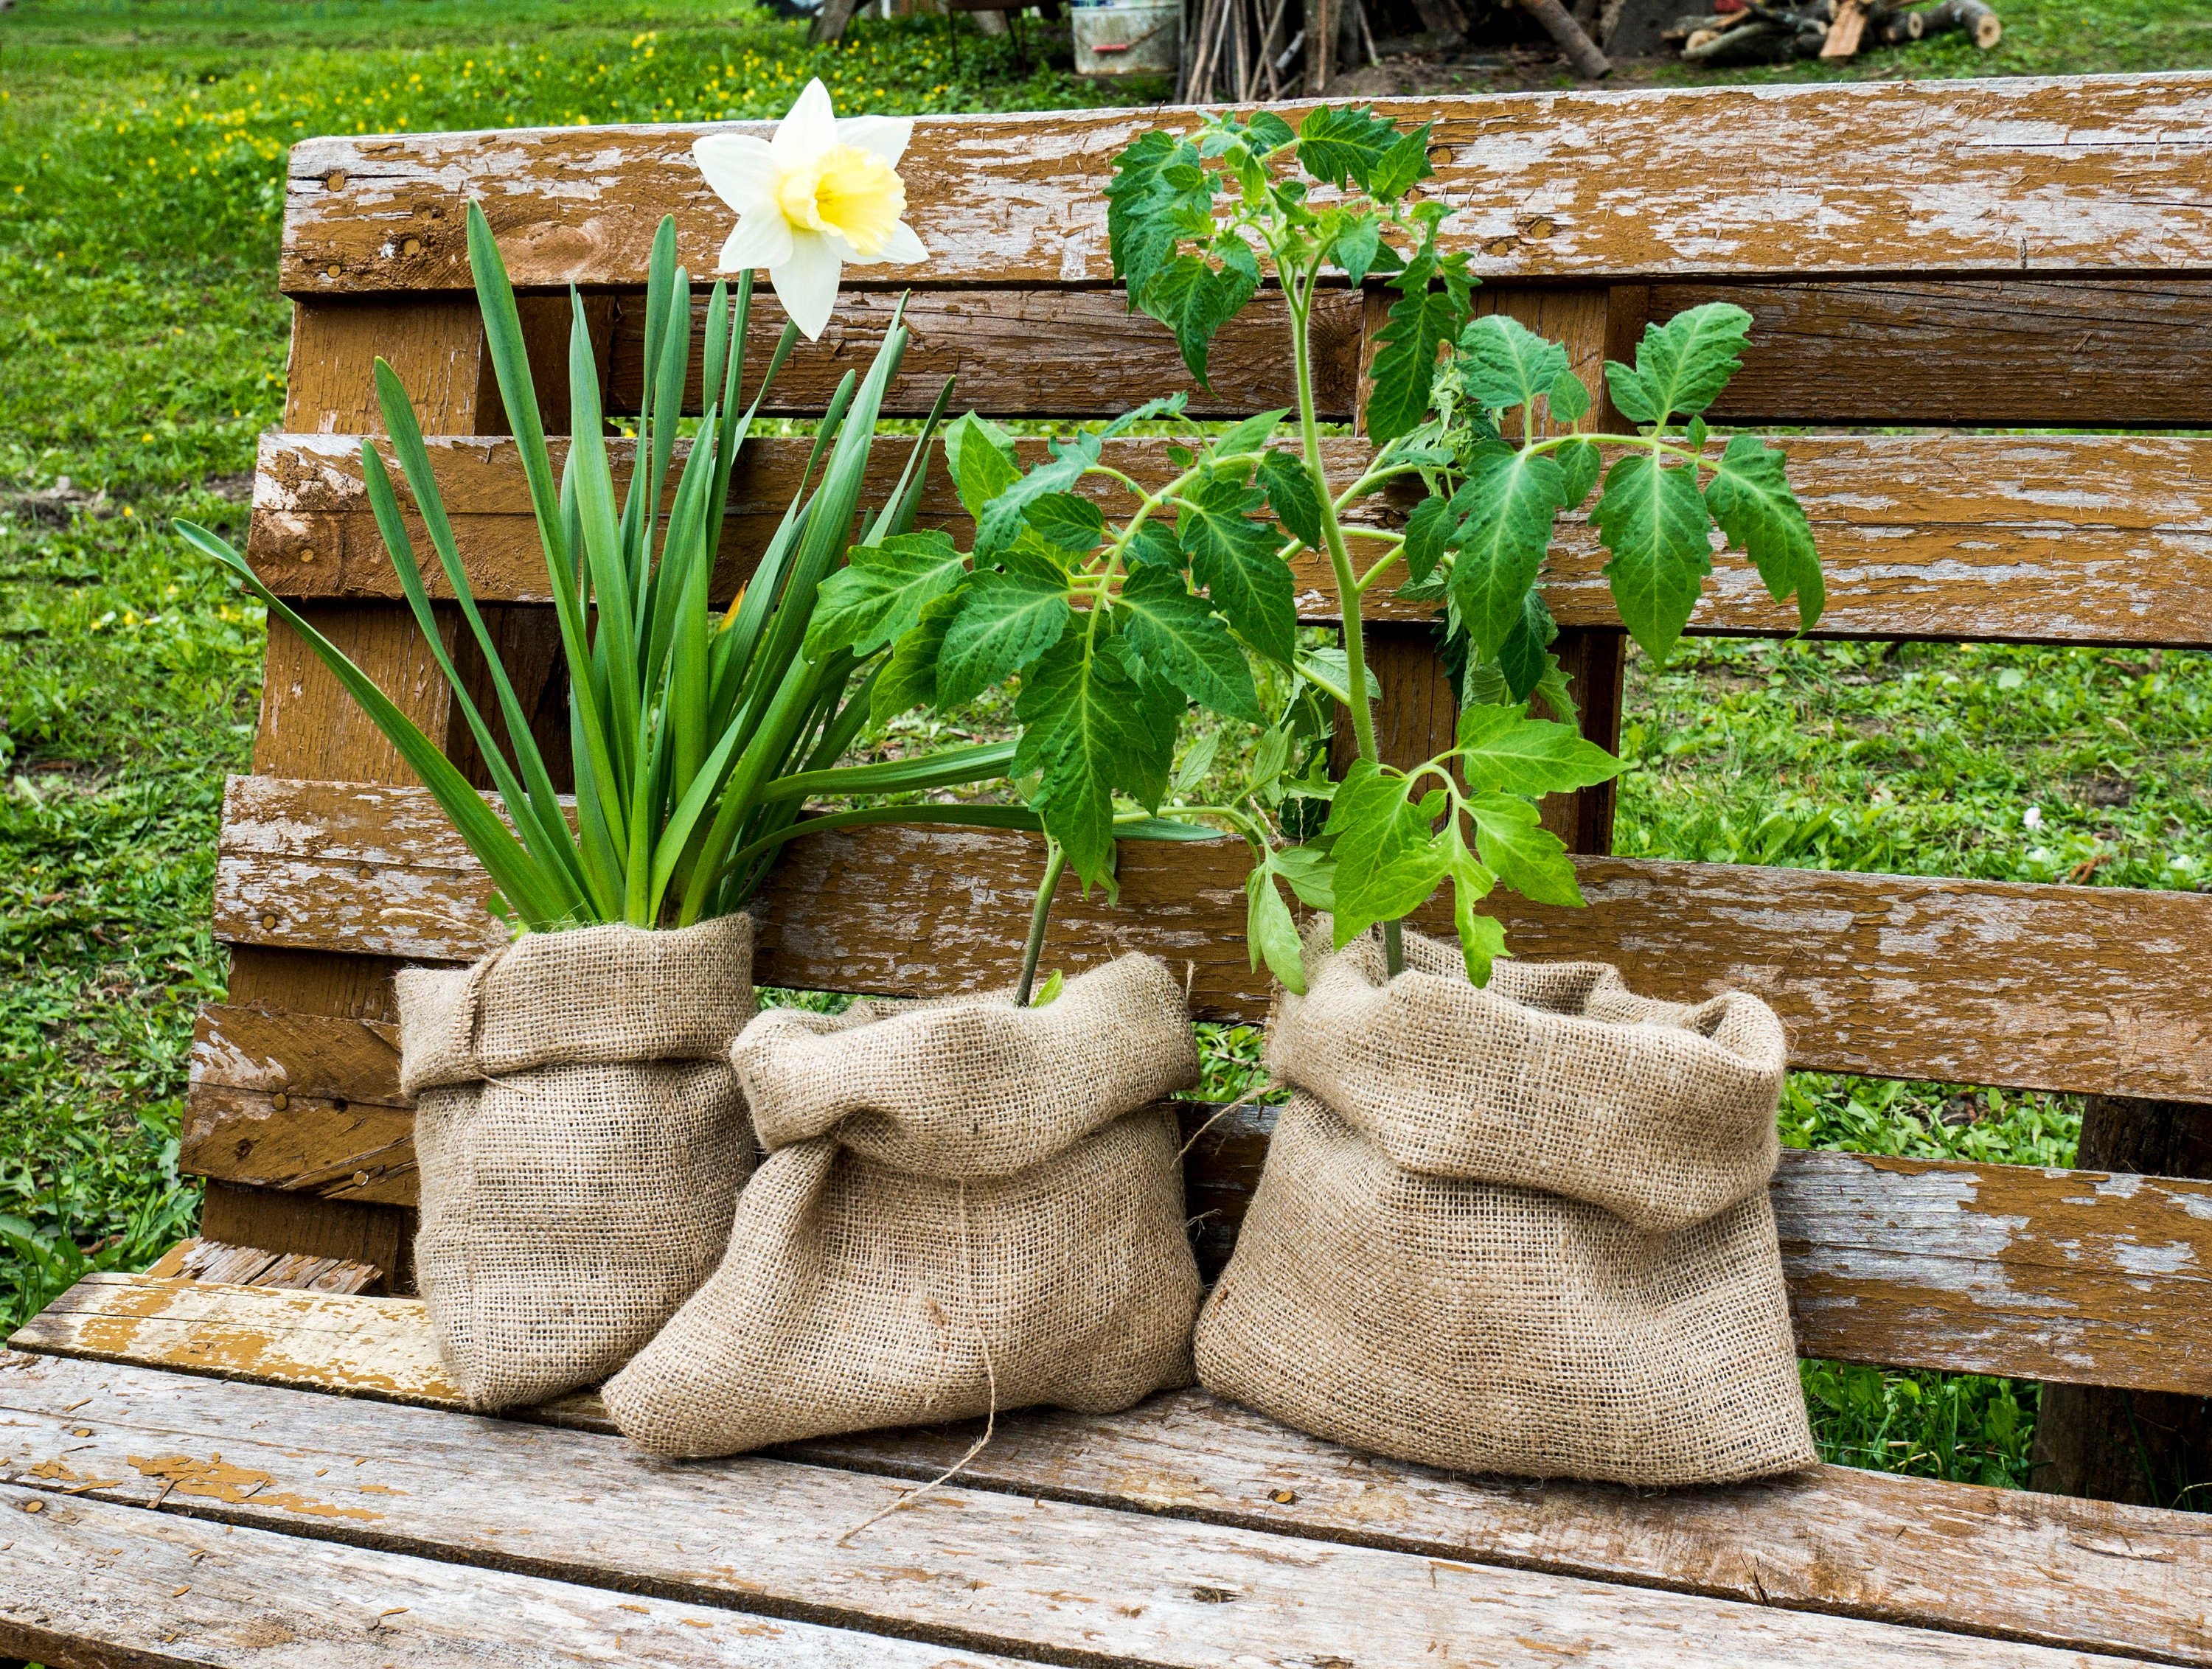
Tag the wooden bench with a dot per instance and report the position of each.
(181, 1484)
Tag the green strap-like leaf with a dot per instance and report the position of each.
(1654, 522)
(1186, 642)
(1751, 500)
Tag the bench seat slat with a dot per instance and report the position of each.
(2072, 988)
(84, 1571)
(1023, 1569)
(2062, 539)
(2087, 174)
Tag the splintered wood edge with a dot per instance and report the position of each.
(1917, 1551)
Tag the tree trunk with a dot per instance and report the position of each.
(2152, 1449)
(1581, 52)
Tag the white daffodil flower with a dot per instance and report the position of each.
(820, 193)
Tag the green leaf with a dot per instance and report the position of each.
(1406, 162)
(1153, 545)
(1421, 321)
(1505, 510)
(1068, 520)
(1653, 520)
(1521, 658)
(1194, 299)
(1528, 857)
(1502, 748)
(1167, 405)
(1000, 525)
(1578, 467)
(1157, 195)
(1292, 496)
(1270, 933)
(1007, 619)
(1249, 436)
(1342, 145)
(1388, 859)
(881, 594)
(909, 677)
(1481, 937)
(1197, 762)
(1425, 531)
(1088, 729)
(1310, 872)
(1503, 363)
(1355, 246)
(1570, 397)
(1552, 691)
(1751, 500)
(981, 460)
(1270, 131)
(1682, 366)
(1183, 640)
(1235, 558)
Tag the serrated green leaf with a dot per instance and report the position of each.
(1068, 520)
(979, 458)
(1194, 299)
(1248, 436)
(881, 594)
(1355, 246)
(1502, 748)
(1684, 363)
(1751, 500)
(1521, 658)
(1270, 934)
(1551, 689)
(1153, 545)
(1183, 640)
(1387, 859)
(909, 679)
(1292, 495)
(1308, 870)
(1235, 558)
(1570, 397)
(1001, 524)
(1007, 619)
(1528, 857)
(1421, 321)
(1631, 393)
(1344, 144)
(1270, 130)
(1425, 531)
(1406, 162)
(1504, 513)
(1654, 522)
(1158, 196)
(1481, 937)
(1167, 405)
(1503, 363)
(1089, 728)
(1578, 468)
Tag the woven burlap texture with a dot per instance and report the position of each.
(965, 1207)
(581, 1140)
(1524, 1228)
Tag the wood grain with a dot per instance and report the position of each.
(2089, 173)
(1903, 1550)
(93, 1583)
(1062, 1581)
(2073, 988)
(1020, 353)
(2035, 538)
(2072, 353)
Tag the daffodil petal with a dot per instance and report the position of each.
(886, 135)
(806, 281)
(741, 168)
(808, 130)
(763, 238)
(905, 244)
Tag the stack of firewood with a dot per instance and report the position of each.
(1778, 31)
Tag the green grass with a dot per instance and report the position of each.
(142, 349)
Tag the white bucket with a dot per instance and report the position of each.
(1128, 37)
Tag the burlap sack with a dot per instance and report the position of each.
(581, 1140)
(1521, 1230)
(962, 1208)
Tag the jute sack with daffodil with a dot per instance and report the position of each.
(582, 1141)
(966, 1207)
(1521, 1229)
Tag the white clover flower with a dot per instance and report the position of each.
(2032, 817)
(820, 193)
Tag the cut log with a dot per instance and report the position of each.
(1844, 33)
(1972, 17)
(1897, 28)
(1579, 50)
(1755, 42)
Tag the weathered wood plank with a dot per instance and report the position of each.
(1900, 1550)
(203, 1259)
(2101, 173)
(2044, 538)
(2074, 988)
(2069, 353)
(93, 1583)
(1062, 1580)
(1019, 353)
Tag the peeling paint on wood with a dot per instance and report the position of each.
(2047, 538)
(1023, 1571)
(2089, 173)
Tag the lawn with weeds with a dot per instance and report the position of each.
(142, 350)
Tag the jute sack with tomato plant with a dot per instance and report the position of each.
(582, 1142)
(967, 1206)
(1522, 1228)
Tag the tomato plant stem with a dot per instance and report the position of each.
(1056, 861)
